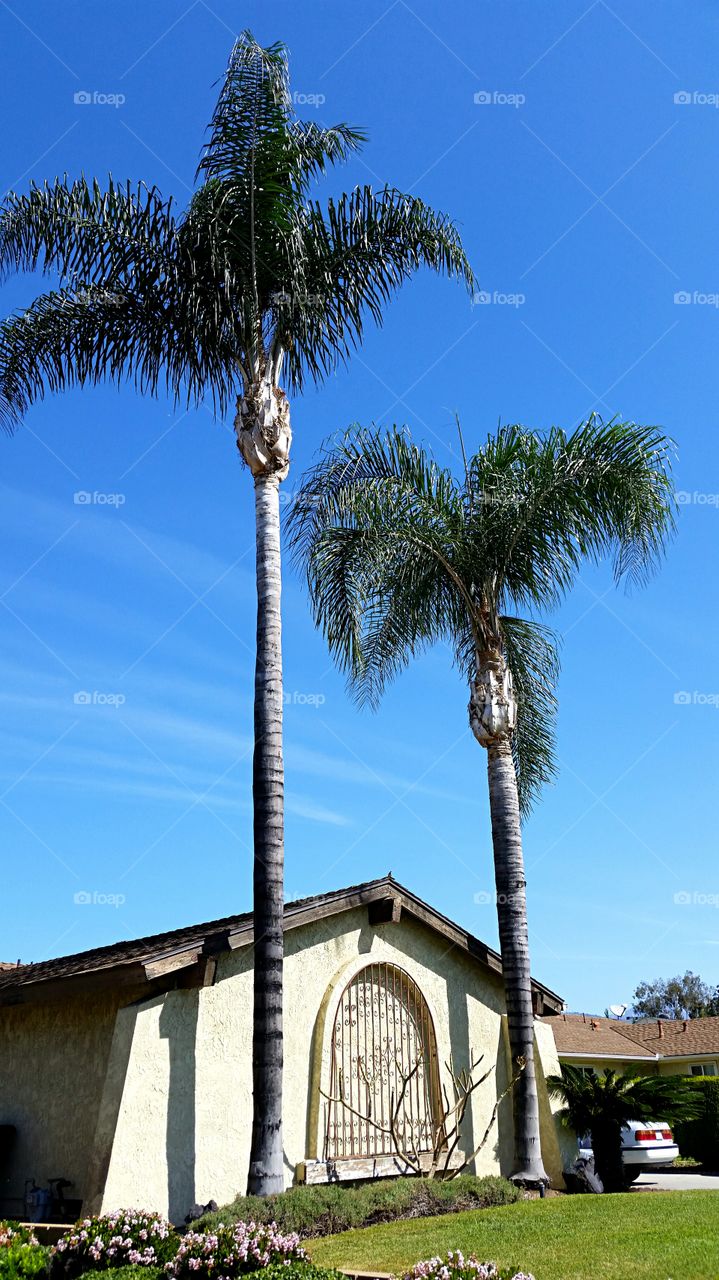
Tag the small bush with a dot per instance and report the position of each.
(130, 1272)
(114, 1240)
(231, 1251)
(700, 1138)
(330, 1208)
(21, 1256)
(301, 1271)
(456, 1267)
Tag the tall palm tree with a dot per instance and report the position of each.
(400, 554)
(254, 288)
(600, 1103)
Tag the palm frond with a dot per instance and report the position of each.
(548, 502)
(357, 252)
(369, 527)
(314, 148)
(88, 233)
(532, 657)
(79, 338)
(253, 110)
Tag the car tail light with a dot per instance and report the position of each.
(667, 1133)
(644, 1135)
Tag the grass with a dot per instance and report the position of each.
(645, 1236)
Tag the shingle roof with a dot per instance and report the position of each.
(144, 950)
(144, 959)
(592, 1037)
(583, 1034)
(677, 1039)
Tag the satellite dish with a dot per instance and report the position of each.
(618, 1010)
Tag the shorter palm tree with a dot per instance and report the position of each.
(600, 1104)
(400, 554)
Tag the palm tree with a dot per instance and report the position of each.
(601, 1103)
(254, 287)
(400, 554)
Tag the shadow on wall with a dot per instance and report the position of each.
(178, 1024)
(457, 1003)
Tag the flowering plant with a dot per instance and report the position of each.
(457, 1267)
(20, 1253)
(128, 1237)
(232, 1251)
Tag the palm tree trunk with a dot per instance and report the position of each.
(514, 947)
(607, 1148)
(266, 1174)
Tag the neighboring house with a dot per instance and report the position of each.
(128, 1069)
(657, 1046)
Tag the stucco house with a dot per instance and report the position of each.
(128, 1069)
(654, 1046)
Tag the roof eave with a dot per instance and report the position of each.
(160, 967)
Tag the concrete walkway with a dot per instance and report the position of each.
(678, 1180)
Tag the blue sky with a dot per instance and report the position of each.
(586, 196)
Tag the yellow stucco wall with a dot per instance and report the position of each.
(53, 1060)
(648, 1066)
(683, 1066)
(151, 1103)
(559, 1147)
(193, 1103)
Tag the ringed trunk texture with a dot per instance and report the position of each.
(266, 1173)
(514, 947)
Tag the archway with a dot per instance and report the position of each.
(382, 1034)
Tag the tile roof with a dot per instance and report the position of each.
(144, 959)
(578, 1033)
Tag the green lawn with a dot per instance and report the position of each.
(672, 1235)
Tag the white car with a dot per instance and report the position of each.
(645, 1146)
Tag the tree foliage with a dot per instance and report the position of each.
(600, 1103)
(252, 277)
(684, 996)
(400, 554)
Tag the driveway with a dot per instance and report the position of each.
(677, 1180)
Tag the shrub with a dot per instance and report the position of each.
(700, 1138)
(128, 1236)
(324, 1210)
(456, 1267)
(130, 1272)
(21, 1256)
(302, 1271)
(233, 1251)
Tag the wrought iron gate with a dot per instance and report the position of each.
(383, 1029)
